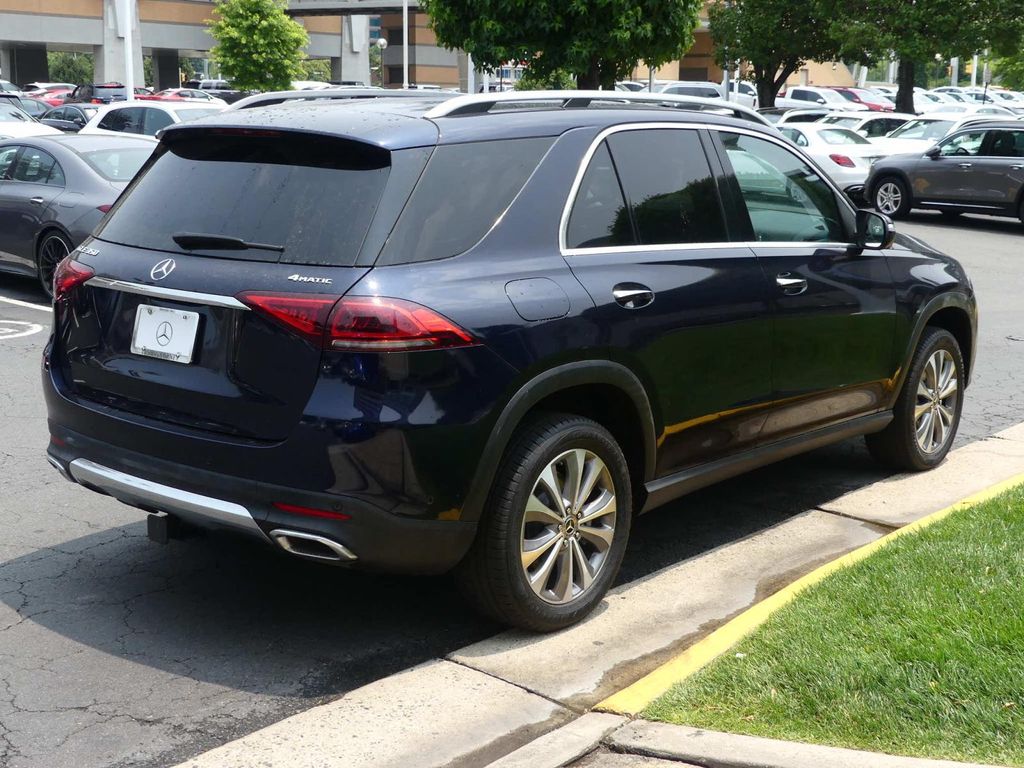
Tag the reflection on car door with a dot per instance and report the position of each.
(8, 215)
(36, 181)
(834, 307)
(646, 237)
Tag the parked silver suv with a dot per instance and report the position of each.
(978, 169)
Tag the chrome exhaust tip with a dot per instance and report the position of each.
(312, 546)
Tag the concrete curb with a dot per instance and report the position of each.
(712, 749)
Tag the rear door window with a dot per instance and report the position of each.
(671, 192)
(314, 197)
(7, 155)
(38, 167)
(125, 120)
(599, 216)
(156, 120)
(464, 190)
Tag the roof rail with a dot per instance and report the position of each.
(475, 104)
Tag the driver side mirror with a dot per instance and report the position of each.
(933, 152)
(875, 231)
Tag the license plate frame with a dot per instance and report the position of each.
(165, 333)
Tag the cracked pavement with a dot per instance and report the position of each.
(115, 651)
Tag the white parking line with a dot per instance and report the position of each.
(18, 303)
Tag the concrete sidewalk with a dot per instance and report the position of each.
(492, 700)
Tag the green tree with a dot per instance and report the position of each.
(259, 47)
(1010, 70)
(316, 69)
(597, 41)
(559, 80)
(776, 38)
(914, 31)
(65, 67)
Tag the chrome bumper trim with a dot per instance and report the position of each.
(138, 491)
(173, 294)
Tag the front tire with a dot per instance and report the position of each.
(555, 531)
(53, 248)
(927, 412)
(892, 197)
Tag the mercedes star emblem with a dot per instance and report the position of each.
(162, 269)
(164, 334)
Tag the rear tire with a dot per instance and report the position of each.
(1020, 210)
(53, 248)
(539, 562)
(928, 408)
(891, 197)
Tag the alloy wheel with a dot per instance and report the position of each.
(889, 198)
(568, 526)
(935, 410)
(52, 252)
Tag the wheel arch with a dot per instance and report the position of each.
(886, 174)
(953, 311)
(604, 391)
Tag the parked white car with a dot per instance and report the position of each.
(844, 155)
(870, 125)
(809, 95)
(702, 88)
(145, 118)
(922, 132)
(742, 92)
(15, 123)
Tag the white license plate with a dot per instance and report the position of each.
(168, 334)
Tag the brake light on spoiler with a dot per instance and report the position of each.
(359, 323)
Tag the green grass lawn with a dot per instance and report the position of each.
(916, 650)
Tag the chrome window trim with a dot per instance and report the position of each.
(781, 141)
(173, 294)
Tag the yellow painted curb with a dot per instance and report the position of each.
(633, 699)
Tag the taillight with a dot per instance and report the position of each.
(105, 207)
(389, 325)
(304, 314)
(359, 324)
(842, 160)
(68, 276)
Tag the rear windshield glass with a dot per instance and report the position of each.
(194, 114)
(117, 164)
(462, 193)
(312, 197)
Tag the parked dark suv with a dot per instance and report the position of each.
(481, 334)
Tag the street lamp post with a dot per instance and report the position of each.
(405, 43)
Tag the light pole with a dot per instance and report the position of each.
(127, 16)
(405, 43)
(382, 44)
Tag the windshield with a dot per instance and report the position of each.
(117, 164)
(830, 95)
(922, 129)
(844, 121)
(841, 136)
(184, 115)
(311, 196)
(13, 115)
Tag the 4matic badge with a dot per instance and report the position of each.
(296, 278)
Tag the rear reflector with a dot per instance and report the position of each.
(295, 509)
(104, 208)
(388, 325)
(842, 160)
(69, 275)
(359, 324)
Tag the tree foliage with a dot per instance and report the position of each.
(1010, 70)
(916, 30)
(559, 80)
(776, 38)
(65, 67)
(259, 47)
(598, 41)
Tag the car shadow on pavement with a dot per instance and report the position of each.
(225, 611)
(979, 223)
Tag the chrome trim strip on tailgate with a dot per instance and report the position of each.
(189, 297)
(136, 490)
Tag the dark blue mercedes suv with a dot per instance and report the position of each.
(483, 333)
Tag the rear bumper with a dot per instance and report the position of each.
(369, 538)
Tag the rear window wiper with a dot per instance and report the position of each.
(193, 240)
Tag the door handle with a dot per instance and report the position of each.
(791, 286)
(36, 200)
(632, 295)
(963, 165)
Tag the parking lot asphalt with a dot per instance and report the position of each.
(115, 651)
